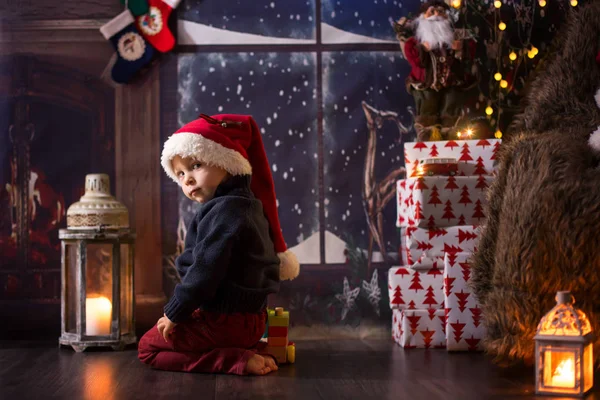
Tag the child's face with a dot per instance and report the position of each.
(198, 180)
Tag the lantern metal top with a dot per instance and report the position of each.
(97, 207)
(564, 319)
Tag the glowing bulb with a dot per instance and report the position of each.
(542, 3)
(459, 135)
(456, 3)
(574, 3)
(512, 56)
(498, 76)
(469, 132)
(530, 54)
(498, 134)
(489, 110)
(497, 4)
(503, 84)
(502, 25)
(534, 50)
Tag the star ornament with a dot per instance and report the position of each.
(373, 291)
(347, 298)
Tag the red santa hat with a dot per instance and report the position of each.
(234, 143)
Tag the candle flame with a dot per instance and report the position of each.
(564, 374)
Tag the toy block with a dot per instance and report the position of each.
(279, 352)
(277, 341)
(278, 317)
(278, 331)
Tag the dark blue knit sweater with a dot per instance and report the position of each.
(229, 263)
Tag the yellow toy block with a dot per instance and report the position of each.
(277, 341)
(278, 317)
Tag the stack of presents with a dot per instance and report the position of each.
(439, 211)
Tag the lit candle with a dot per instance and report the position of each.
(98, 314)
(564, 374)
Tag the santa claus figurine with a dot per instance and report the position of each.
(440, 73)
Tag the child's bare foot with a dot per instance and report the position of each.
(259, 365)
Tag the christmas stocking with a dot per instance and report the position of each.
(153, 25)
(137, 7)
(133, 52)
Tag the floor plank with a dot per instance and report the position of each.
(334, 369)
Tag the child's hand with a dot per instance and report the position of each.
(165, 326)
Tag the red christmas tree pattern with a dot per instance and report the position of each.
(397, 300)
(427, 337)
(461, 220)
(478, 213)
(448, 214)
(451, 256)
(414, 169)
(482, 183)
(412, 305)
(433, 233)
(431, 222)
(480, 167)
(431, 312)
(424, 246)
(466, 270)
(420, 146)
(476, 313)
(451, 183)
(483, 143)
(496, 148)
(452, 250)
(402, 272)
(472, 343)
(452, 144)
(418, 210)
(465, 197)
(434, 271)
(420, 184)
(434, 197)
(457, 327)
(465, 153)
(462, 299)
(448, 285)
(413, 322)
(416, 282)
(466, 235)
(410, 230)
(433, 151)
(430, 297)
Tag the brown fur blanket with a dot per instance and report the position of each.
(543, 229)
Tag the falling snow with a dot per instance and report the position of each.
(286, 126)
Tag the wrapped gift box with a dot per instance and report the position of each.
(441, 201)
(437, 241)
(464, 320)
(475, 157)
(423, 329)
(416, 289)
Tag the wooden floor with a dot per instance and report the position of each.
(346, 369)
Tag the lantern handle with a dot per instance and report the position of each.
(564, 297)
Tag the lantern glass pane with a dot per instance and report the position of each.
(588, 367)
(561, 366)
(72, 291)
(98, 309)
(126, 290)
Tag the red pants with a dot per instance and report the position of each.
(209, 342)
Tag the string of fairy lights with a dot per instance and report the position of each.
(493, 109)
